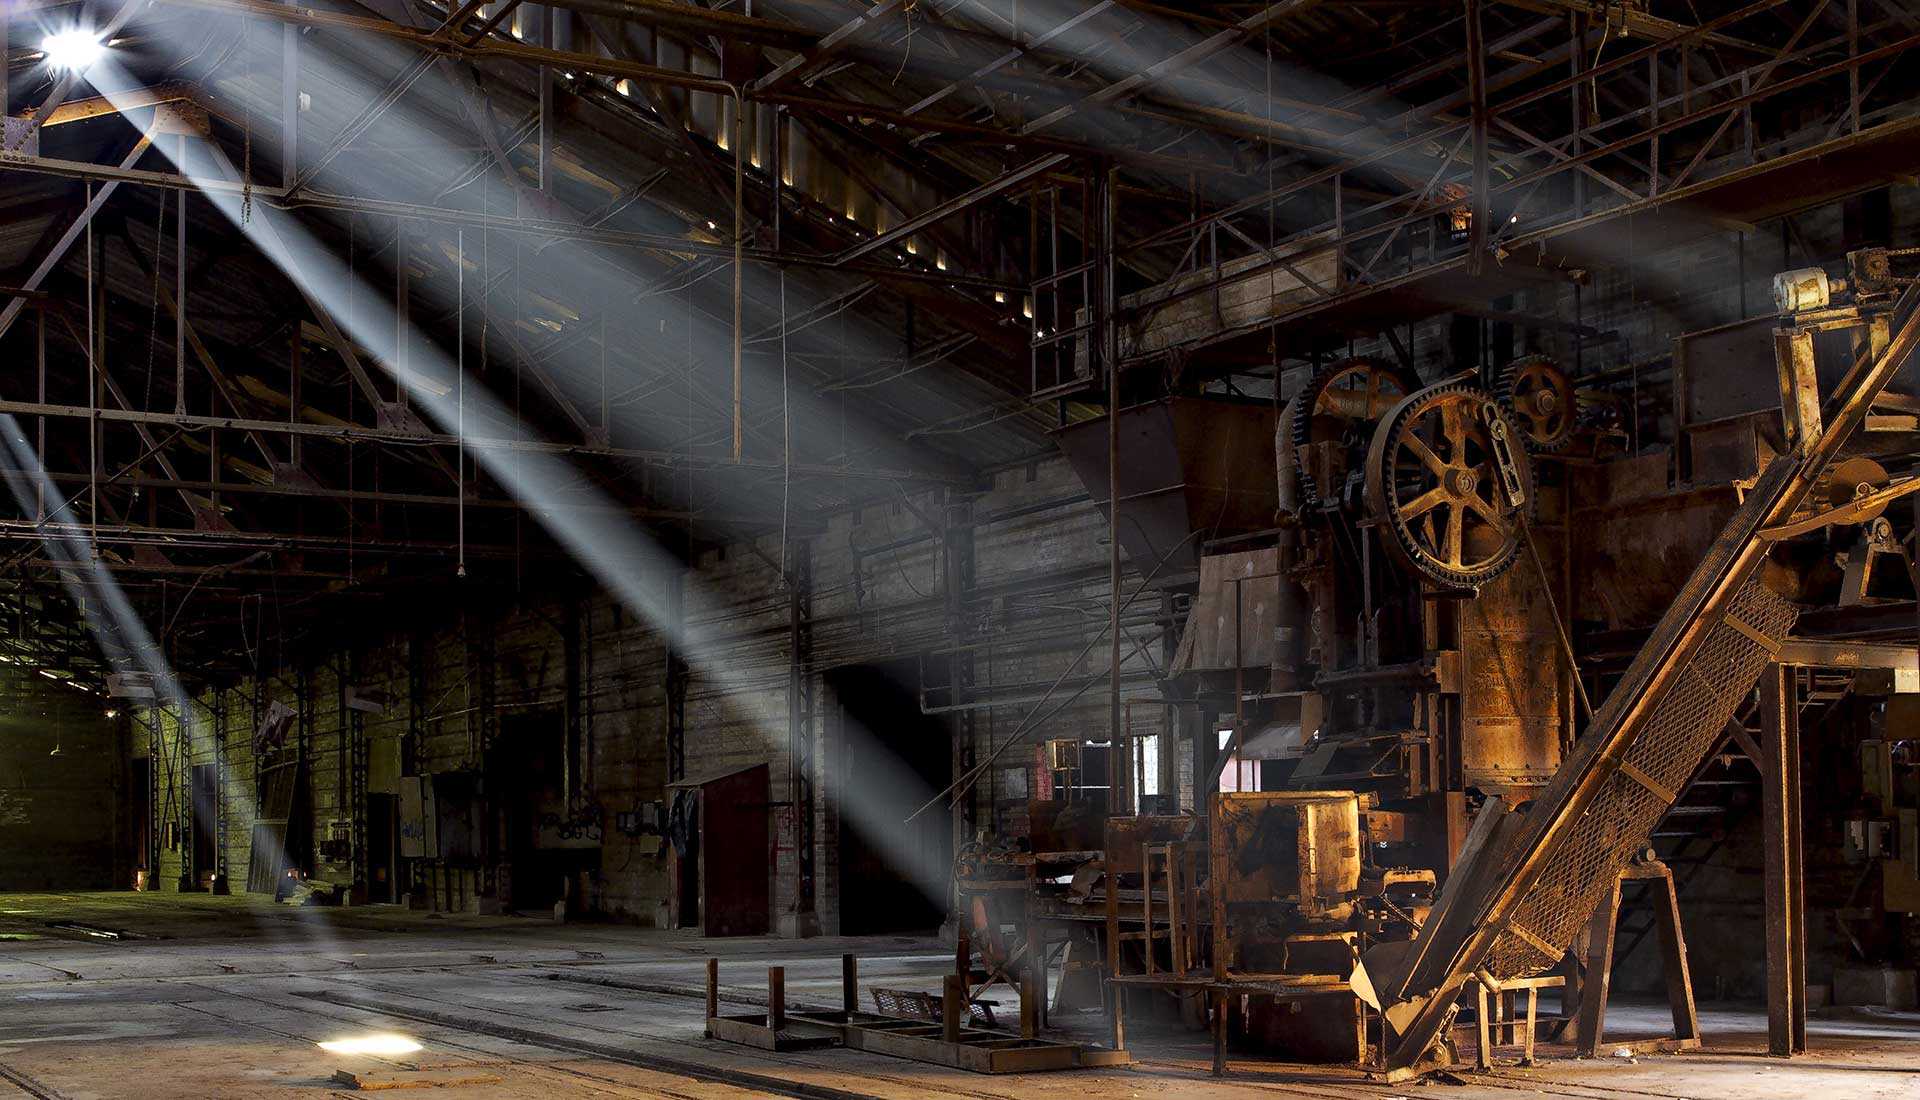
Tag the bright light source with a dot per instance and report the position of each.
(74, 50)
(381, 1045)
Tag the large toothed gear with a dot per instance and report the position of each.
(1451, 485)
(1540, 398)
(1338, 404)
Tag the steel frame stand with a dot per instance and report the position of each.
(1784, 880)
(1673, 953)
(1499, 1018)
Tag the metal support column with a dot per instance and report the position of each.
(545, 77)
(180, 293)
(802, 761)
(573, 763)
(1477, 93)
(221, 803)
(353, 728)
(677, 675)
(1106, 335)
(1784, 879)
(413, 746)
(957, 572)
(485, 722)
(289, 103)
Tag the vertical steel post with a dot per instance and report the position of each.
(1033, 971)
(180, 293)
(801, 765)
(739, 260)
(677, 675)
(1477, 92)
(713, 991)
(1576, 56)
(1102, 200)
(1783, 879)
(953, 1002)
(1853, 70)
(545, 78)
(1219, 999)
(295, 346)
(1339, 233)
(776, 998)
(289, 103)
(401, 307)
(40, 430)
(957, 578)
(1653, 124)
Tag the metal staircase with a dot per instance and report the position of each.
(1724, 791)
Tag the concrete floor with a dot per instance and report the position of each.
(228, 997)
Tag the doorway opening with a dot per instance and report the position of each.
(140, 820)
(527, 783)
(383, 817)
(893, 759)
(205, 815)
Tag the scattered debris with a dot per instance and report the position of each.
(414, 1079)
(92, 930)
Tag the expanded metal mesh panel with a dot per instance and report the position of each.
(1685, 724)
(915, 1005)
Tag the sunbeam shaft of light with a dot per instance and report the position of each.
(628, 563)
(123, 637)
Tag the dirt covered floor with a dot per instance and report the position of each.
(157, 995)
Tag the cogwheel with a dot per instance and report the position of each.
(1449, 486)
(1336, 400)
(1539, 396)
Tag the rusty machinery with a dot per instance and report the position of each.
(1805, 528)
(1404, 510)
(1419, 679)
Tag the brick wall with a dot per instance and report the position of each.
(879, 596)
